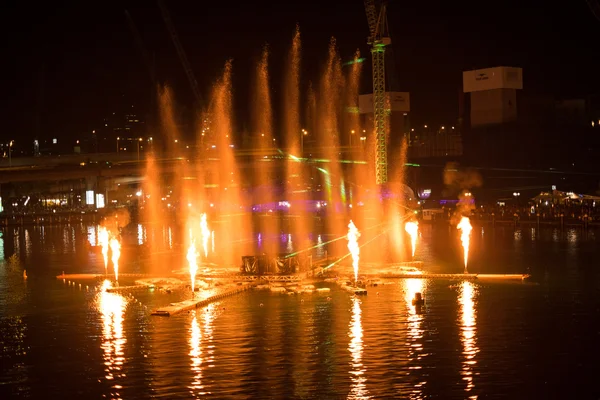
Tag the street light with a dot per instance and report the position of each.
(9, 153)
(302, 134)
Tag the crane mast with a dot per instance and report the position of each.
(182, 57)
(378, 39)
(594, 7)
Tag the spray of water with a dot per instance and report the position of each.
(115, 247)
(329, 100)
(192, 258)
(205, 232)
(104, 240)
(353, 235)
(263, 127)
(413, 230)
(465, 236)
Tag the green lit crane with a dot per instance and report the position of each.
(378, 39)
(182, 57)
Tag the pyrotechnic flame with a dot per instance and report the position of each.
(106, 285)
(413, 230)
(353, 235)
(115, 247)
(192, 260)
(103, 239)
(205, 233)
(465, 226)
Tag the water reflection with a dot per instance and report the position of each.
(201, 349)
(92, 235)
(415, 330)
(468, 330)
(320, 252)
(112, 307)
(357, 373)
(141, 234)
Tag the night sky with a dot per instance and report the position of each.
(73, 63)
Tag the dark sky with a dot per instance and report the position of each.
(71, 63)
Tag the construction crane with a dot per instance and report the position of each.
(594, 7)
(140, 44)
(182, 57)
(378, 40)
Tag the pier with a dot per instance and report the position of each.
(176, 308)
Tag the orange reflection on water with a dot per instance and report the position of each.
(357, 373)
(468, 327)
(201, 349)
(112, 308)
(415, 330)
(412, 287)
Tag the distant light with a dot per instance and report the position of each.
(138, 193)
(89, 197)
(425, 126)
(54, 141)
(176, 141)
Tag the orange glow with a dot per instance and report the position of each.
(103, 239)
(413, 230)
(415, 331)
(115, 247)
(196, 354)
(112, 308)
(192, 258)
(468, 338)
(357, 373)
(205, 233)
(465, 227)
(353, 236)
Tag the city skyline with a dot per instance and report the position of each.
(73, 64)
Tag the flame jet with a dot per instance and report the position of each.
(353, 235)
(465, 227)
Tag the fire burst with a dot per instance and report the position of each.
(353, 235)
(465, 226)
(115, 247)
(413, 230)
(192, 260)
(103, 238)
(205, 233)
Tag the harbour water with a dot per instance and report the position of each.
(536, 339)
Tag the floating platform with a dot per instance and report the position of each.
(354, 290)
(176, 308)
(99, 276)
(134, 288)
(519, 277)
